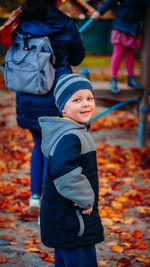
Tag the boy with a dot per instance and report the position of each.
(69, 217)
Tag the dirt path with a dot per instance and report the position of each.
(124, 173)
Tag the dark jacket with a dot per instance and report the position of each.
(128, 14)
(68, 49)
(71, 178)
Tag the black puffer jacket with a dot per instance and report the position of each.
(71, 178)
(69, 50)
(128, 14)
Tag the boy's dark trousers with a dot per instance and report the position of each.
(78, 257)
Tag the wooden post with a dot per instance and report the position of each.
(145, 79)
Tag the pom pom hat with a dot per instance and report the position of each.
(67, 85)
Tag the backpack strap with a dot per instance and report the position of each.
(26, 54)
(53, 59)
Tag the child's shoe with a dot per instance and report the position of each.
(132, 83)
(34, 203)
(38, 222)
(113, 86)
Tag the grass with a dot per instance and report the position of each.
(102, 61)
(96, 61)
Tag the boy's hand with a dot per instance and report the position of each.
(87, 211)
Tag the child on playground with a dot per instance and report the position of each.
(125, 36)
(69, 216)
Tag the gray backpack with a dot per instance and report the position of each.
(28, 65)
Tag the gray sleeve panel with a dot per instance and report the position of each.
(87, 144)
(76, 187)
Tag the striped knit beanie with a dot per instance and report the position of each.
(67, 85)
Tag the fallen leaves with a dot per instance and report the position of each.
(129, 220)
(4, 222)
(140, 257)
(13, 226)
(107, 222)
(48, 258)
(109, 213)
(8, 238)
(32, 249)
(141, 245)
(124, 262)
(3, 259)
(124, 199)
(138, 234)
(121, 199)
(117, 249)
(121, 119)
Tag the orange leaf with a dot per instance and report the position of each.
(8, 238)
(121, 199)
(141, 245)
(3, 219)
(21, 231)
(29, 242)
(129, 220)
(3, 259)
(5, 226)
(32, 234)
(49, 259)
(12, 219)
(112, 166)
(117, 249)
(3, 165)
(33, 249)
(138, 234)
(115, 229)
(13, 226)
(107, 221)
(36, 241)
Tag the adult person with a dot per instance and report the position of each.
(125, 36)
(68, 50)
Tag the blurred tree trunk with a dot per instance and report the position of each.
(145, 78)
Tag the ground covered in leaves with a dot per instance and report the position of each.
(124, 199)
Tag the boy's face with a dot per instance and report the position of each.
(80, 107)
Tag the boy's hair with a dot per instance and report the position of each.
(67, 85)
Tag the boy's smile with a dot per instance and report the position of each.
(80, 107)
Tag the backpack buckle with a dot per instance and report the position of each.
(25, 38)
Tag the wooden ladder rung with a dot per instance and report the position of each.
(102, 91)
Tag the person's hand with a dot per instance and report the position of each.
(87, 211)
(96, 15)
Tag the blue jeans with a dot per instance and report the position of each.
(38, 164)
(78, 257)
